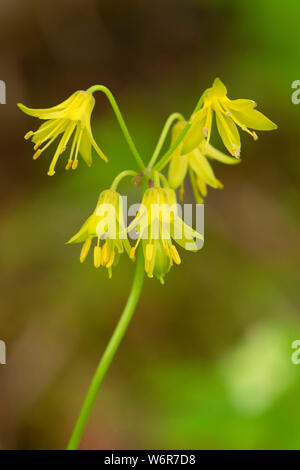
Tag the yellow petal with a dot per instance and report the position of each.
(218, 88)
(228, 133)
(202, 168)
(215, 154)
(85, 148)
(251, 118)
(195, 135)
(177, 170)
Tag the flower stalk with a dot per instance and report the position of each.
(109, 353)
(121, 121)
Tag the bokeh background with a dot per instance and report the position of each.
(206, 362)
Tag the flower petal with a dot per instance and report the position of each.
(216, 154)
(218, 88)
(85, 148)
(251, 118)
(177, 170)
(195, 134)
(202, 168)
(228, 133)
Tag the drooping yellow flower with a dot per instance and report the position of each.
(71, 120)
(229, 114)
(106, 224)
(158, 223)
(196, 161)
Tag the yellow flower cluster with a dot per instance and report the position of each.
(157, 223)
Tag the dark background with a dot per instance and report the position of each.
(206, 362)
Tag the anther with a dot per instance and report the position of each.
(28, 135)
(175, 254)
(37, 145)
(132, 253)
(105, 254)
(37, 154)
(149, 251)
(85, 249)
(254, 135)
(69, 164)
(74, 164)
(97, 256)
(181, 193)
(111, 259)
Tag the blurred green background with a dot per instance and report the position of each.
(206, 362)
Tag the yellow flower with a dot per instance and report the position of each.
(69, 119)
(229, 114)
(196, 162)
(157, 223)
(106, 224)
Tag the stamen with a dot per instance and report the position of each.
(181, 193)
(254, 135)
(132, 253)
(97, 256)
(37, 154)
(148, 257)
(69, 164)
(37, 145)
(85, 249)
(175, 254)
(236, 152)
(111, 259)
(149, 251)
(105, 254)
(28, 135)
(75, 163)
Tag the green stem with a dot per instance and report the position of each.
(200, 102)
(109, 353)
(160, 164)
(122, 175)
(120, 118)
(173, 117)
(156, 179)
(164, 180)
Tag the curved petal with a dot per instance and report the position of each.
(216, 154)
(177, 170)
(228, 133)
(251, 118)
(85, 148)
(218, 88)
(202, 168)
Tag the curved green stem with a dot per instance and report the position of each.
(173, 117)
(109, 353)
(120, 176)
(164, 180)
(121, 121)
(160, 164)
(200, 102)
